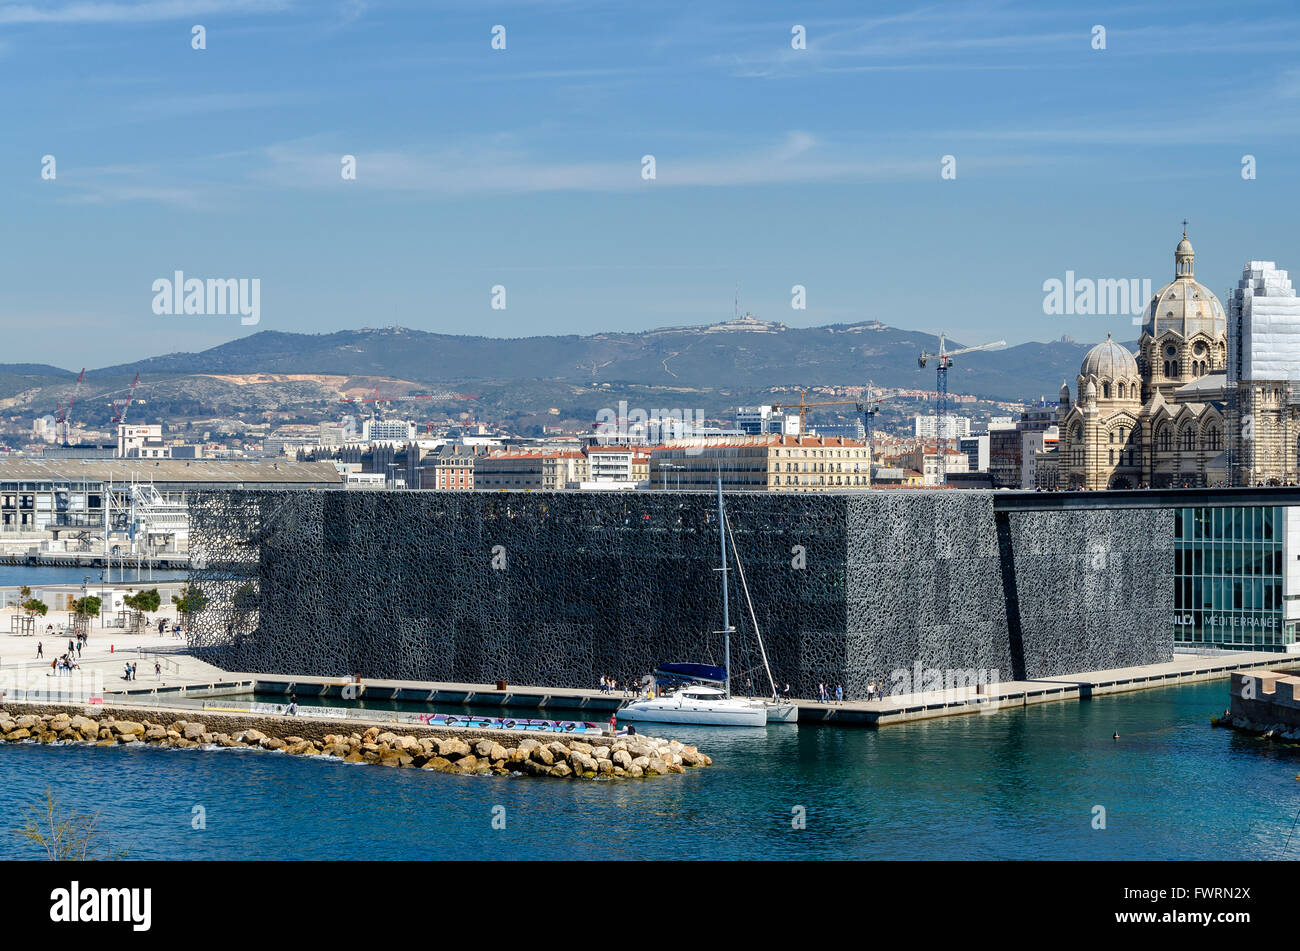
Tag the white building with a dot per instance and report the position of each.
(757, 420)
(141, 442)
(955, 427)
(396, 431)
(1032, 442)
(977, 452)
(1263, 369)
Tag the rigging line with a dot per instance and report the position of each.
(744, 585)
(1287, 844)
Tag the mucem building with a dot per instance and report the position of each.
(558, 589)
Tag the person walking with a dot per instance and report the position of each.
(157, 670)
(839, 693)
(40, 649)
(79, 643)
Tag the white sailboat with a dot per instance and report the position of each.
(698, 703)
(776, 709)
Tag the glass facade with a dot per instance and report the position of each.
(1228, 574)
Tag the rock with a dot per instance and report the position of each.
(690, 758)
(542, 755)
(558, 750)
(604, 766)
(353, 757)
(252, 737)
(527, 745)
(561, 769)
(600, 752)
(641, 761)
(194, 731)
(635, 771)
(436, 762)
(271, 743)
(496, 752)
(27, 721)
(105, 733)
(370, 735)
(387, 737)
(619, 772)
(123, 727)
(467, 762)
(85, 725)
(60, 722)
(18, 733)
(224, 740)
(299, 747)
(128, 737)
(676, 768)
(655, 767)
(106, 743)
(622, 758)
(155, 732)
(406, 744)
(484, 749)
(581, 747)
(452, 748)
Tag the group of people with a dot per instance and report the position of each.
(65, 664)
(74, 649)
(825, 695)
(609, 685)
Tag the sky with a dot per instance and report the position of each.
(524, 168)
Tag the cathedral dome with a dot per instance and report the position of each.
(1109, 361)
(1184, 305)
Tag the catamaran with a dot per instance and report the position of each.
(706, 698)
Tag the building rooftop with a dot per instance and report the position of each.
(206, 471)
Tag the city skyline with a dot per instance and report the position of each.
(522, 167)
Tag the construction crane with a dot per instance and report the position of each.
(65, 415)
(119, 412)
(803, 407)
(866, 408)
(943, 360)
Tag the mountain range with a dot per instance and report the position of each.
(716, 365)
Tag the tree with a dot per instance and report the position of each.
(89, 606)
(31, 605)
(189, 602)
(83, 609)
(65, 836)
(146, 602)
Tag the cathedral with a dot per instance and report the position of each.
(1158, 417)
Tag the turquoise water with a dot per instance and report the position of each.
(1019, 784)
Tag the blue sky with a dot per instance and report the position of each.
(522, 167)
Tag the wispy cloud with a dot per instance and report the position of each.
(470, 170)
(93, 11)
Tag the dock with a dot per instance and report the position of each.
(193, 678)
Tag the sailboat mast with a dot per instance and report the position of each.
(726, 609)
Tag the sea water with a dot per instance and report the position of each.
(1047, 781)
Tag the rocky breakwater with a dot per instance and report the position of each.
(445, 751)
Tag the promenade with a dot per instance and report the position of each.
(193, 678)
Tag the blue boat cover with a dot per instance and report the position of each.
(691, 672)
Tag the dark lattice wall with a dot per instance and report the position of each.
(560, 588)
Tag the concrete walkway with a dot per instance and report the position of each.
(1184, 668)
(187, 675)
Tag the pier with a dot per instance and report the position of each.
(205, 681)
